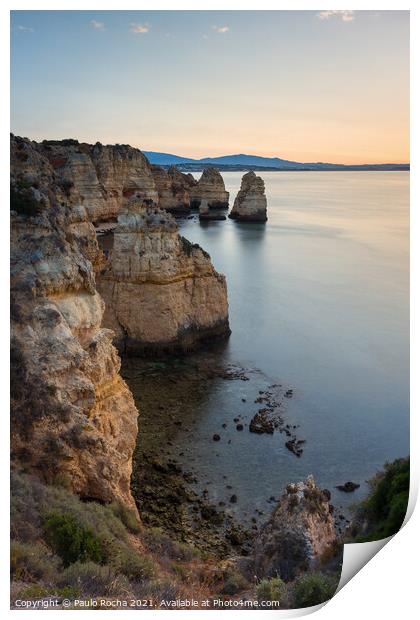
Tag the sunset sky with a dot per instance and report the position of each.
(301, 85)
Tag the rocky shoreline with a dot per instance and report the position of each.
(161, 391)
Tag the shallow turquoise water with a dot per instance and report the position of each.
(318, 302)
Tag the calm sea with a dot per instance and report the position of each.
(318, 300)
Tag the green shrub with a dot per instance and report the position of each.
(127, 516)
(182, 571)
(70, 540)
(313, 589)
(135, 566)
(160, 589)
(386, 505)
(35, 591)
(234, 583)
(162, 544)
(31, 562)
(88, 578)
(272, 590)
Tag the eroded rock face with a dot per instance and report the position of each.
(300, 530)
(73, 418)
(210, 188)
(250, 203)
(100, 178)
(173, 188)
(161, 292)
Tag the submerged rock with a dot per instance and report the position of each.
(250, 203)
(162, 293)
(261, 424)
(348, 487)
(295, 445)
(210, 188)
(300, 529)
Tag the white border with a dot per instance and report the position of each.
(387, 586)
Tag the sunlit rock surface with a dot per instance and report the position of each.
(250, 203)
(173, 189)
(300, 530)
(210, 188)
(162, 293)
(101, 178)
(74, 421)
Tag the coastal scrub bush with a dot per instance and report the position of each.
(162, 544)
(386, 505)
(32, 562)
(160, 589)
(88, 578)
(313, 589)
(64, 142)
(135, 566)
(127, 516)
(235, 582)
(272, 590)
(71, 541)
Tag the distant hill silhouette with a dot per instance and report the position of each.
(255, 162)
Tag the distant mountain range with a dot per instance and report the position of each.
(254, 162)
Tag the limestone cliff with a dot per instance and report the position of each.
(299, 531)
(100, 178)
(250, 203)
(161, 292)
(173, 189)
(73, 418)
(210, 188)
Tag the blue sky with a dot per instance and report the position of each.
(304, 85)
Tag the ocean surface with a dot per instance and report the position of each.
(318, 302)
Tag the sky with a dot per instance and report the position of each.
(301, 85)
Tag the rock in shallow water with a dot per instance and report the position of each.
(348, 487)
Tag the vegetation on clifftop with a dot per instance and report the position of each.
(383, 512)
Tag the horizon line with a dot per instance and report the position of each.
(319, 161)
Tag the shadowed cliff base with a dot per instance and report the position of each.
(187, 341)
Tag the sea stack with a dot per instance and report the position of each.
(211, 188)
(162, 293)
(251, 203)
(300, 530)
(173, 189)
